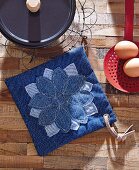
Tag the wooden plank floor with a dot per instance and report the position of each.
(96, 151)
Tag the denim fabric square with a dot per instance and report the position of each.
(60, 100)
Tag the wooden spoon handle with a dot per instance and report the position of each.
(33, 5)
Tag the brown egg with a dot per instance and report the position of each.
(126, 50)
(131, 67)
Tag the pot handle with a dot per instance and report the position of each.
(129, 20)
(33, 5)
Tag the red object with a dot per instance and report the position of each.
(113, 66)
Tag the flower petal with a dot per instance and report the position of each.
(48, 73)
(63, 120)
(71, 70)
(48, 116)
(74, 125)
(40, 101)
(31, 89)
(90, 109)
(51, 130)
(35, 112)
(83, 98)
(87, 86)
(78, 113)
(74, 84)
(59, 79)
(45, 86)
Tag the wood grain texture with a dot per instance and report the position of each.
(15, 136)
(95, 151)
(21, 161)
(13, 149)
(92, 150)
(16, 169)
(9, 63)
(61, 162)
(2, 86)
(128, 164)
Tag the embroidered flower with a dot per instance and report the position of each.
(61, 100)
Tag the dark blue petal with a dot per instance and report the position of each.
(48, 116)
(59, 79)
(45, 86)
(77, 112)
(74, 84)
(63, 120)
(40, 101)
(82, 98)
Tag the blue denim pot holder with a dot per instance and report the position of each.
(60, 100)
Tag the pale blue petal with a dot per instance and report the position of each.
(51, 130)
(83, 98)
(71, 70)
(74, 125)
(87, 87)
(48, 73)
(90, 109)
(78, 113)
(31, 89)
(35, 112)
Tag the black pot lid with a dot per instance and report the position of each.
(37, 29)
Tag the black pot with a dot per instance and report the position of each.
(39, 29)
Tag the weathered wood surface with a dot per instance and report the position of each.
(96, 151)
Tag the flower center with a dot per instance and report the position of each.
(62, 99)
